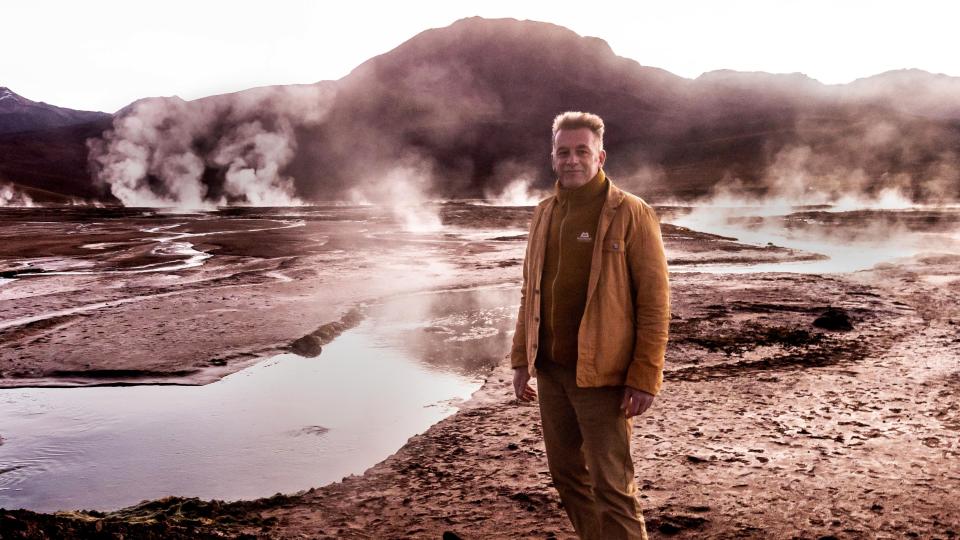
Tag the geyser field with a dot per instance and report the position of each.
(811, 373)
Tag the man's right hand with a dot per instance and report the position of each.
(521, 385)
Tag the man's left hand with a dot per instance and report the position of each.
(635, 402)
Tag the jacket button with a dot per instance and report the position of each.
(534, 345)
(537, 291)
(536, 318)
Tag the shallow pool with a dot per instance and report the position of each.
(284, 424)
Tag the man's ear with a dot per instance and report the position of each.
(603, 157)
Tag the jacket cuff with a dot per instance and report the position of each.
(645, 377)
(518, 360)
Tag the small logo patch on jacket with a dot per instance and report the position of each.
(584, 237)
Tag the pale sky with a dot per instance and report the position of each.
(102, 55)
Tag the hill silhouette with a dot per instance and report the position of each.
(464, 110)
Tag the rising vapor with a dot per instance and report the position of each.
(10, 197)
(519, 192)
(474, 112)
(228, 149)
(517, 185)
(404, 189)
(872, 163)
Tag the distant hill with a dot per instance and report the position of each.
(468, 107)
(19, 114)
(42, 148)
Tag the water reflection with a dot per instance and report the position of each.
(851, 240)
(460, 332)
(285, 424)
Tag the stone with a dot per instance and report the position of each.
(309, 346)
(834, 319)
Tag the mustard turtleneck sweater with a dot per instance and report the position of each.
(566, 268)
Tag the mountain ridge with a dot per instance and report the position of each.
(469, 106)
(19, 114)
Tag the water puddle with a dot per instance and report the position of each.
(942, 280)
(174, 253)
(851, 241)
(285, 424)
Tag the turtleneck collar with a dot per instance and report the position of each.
(594, 188)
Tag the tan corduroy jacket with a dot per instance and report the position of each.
(623, 333)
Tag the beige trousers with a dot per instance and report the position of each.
(588, 451)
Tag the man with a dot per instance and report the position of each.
(592, 326)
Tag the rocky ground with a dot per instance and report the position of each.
(795, 406)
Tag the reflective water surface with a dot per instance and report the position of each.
(285, 424)
(851, 240)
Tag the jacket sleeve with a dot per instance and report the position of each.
(518, 353)
(648, 271)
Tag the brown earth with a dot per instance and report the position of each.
(267, 284)
(767, 427)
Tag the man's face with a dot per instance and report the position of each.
(576, 156)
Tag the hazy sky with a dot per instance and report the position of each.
(101, 55)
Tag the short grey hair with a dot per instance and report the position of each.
(577, 120)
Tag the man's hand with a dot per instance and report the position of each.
(521, 385)
(635, 402)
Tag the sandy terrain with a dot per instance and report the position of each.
(774, 422)
(267, 284)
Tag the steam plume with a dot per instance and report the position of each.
(404, 190)
(873, 164)
(229, 149)
(519, 188)
(519, 192)
(11, 197)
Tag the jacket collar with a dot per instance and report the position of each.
(585, 193)
(615, 197)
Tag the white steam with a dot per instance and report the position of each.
(154, 138)
(10, 197)
(819, 180)
(404, 190)
(643, 180)
(886, 199)
(851, 171)
(518, 192)
(161, 151)
(516, 182)
(253, 158)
